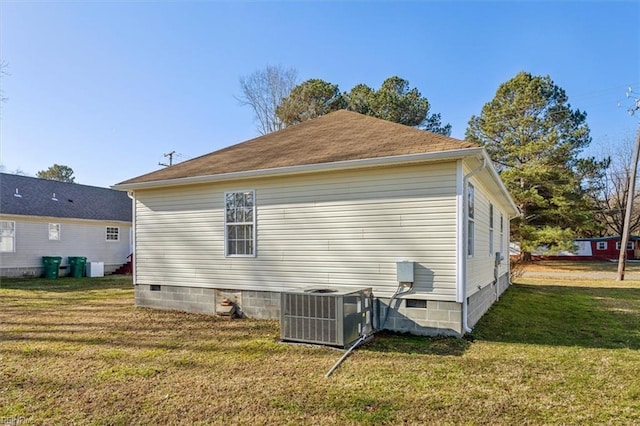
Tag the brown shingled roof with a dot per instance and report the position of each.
(338, 136)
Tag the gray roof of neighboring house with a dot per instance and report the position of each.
(74, 201)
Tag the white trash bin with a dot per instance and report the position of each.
(95, 269)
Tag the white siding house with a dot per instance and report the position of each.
(40, 217)
(333, 202)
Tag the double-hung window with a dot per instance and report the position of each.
(491, 253)
(602, 245)
(7, 236)
(501, 235)
(54, 231)
(470, 220)
(240, 223)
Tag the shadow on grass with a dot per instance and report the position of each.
(67, 284)
(387, 341)
(592, 317)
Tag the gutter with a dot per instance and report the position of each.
(132, 195)
(465, 244)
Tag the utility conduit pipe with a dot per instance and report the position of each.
(346, 354)
(365, 337)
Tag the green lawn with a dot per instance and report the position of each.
(76, 351)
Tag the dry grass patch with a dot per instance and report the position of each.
(75, 353)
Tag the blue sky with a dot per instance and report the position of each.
(107, 87)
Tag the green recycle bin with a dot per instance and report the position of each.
(51, 266)
(77, 265)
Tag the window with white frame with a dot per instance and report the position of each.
(113, 233)
(470, 220)
(7, 236)
(602, 245)
(501, 235)
(491, 253)
(54, 231)
(630, 245)
(240, 223)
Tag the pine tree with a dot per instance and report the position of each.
(534, 139)
(57, 172)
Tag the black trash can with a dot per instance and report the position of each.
(77, 265)
(51, 266)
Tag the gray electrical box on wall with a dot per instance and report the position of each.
(405, 271)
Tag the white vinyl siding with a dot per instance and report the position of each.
(81, 238)
(480, 269)
(345, 228)
(54, 231)
(7, 236)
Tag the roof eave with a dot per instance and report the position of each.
(307, 168)
(8, 215)
(496, 178)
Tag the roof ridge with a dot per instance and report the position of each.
(338, 136)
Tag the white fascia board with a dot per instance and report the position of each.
(308, 168)
(34, 218)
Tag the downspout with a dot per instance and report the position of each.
(131, 195)
(465, 243)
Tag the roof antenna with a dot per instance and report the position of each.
(17, 194)
(170, 155)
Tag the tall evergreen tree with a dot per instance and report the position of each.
(310, 99)
(534, 139)
(394, 101)
(57, 172)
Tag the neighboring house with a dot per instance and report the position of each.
(40, 217)
(598, 248)
(333, 202)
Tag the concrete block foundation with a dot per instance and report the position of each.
(428, 318)
(188, 299)
(425, 317)
(480, 302)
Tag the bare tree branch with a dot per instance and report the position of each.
(3, 72)
(610, 199)
(263, 90)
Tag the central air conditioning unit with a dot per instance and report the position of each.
(335, 316)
